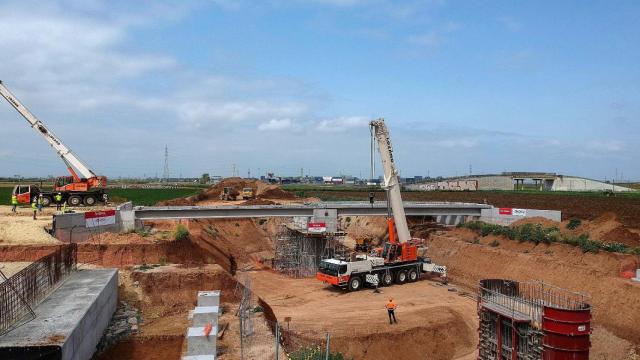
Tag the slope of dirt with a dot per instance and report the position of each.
(558, 264)
(247, 242)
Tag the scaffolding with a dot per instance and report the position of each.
(511, 316)
(298, 252)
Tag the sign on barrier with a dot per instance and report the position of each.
(99, 218)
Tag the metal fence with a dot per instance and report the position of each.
(262, 337)
(28, 287)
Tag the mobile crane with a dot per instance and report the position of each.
(402, 259)
(82, 187)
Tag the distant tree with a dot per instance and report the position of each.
(205, 178)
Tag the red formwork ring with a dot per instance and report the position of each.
(566, 333)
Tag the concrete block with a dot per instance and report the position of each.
(203, 315)
(209, 298)
(199, 344)
(199, 357)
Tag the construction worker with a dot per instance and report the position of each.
(391, 308)
(58, 199)
(40, 203)
(14, 202)
(34, 207)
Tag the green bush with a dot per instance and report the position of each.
(315, 352)
(180, 232)
(615, 247)
(588, 245)
(574, 223)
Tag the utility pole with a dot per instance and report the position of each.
(470, 170)
(165, 173)
(249, 173)
(233, 170)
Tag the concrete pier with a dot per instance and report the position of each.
(209, 298)
(70, 322)
(200, 344)
(203, 315)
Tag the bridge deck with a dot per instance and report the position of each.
(354, 208)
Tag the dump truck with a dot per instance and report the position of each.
(247, 193)
(229, 194)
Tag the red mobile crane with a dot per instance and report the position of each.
(82, 187)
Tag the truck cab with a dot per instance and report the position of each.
(247, 193)
(25, 193)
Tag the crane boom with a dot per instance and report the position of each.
(72, 161)
(391, 182)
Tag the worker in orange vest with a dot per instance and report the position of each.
(391, 307)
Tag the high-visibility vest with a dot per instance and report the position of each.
(391, 305)
(14, 200)
(58, 198)
(34, 206)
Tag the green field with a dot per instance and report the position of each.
(138, 196)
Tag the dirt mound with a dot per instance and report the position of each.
(260, 189)
(258, 202)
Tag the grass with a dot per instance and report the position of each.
(180, 233)
(538, 234)
(145, 197)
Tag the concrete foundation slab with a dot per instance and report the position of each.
(209, 298)
(203, 315)
(70, 322)
(199, 344)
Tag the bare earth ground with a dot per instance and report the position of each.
(433, 323)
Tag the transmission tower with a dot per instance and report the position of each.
(165, 173)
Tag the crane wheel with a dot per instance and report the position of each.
(355, 283)
(74, 200)
(386, 279)
(401, 277)
(46, 201)
(89, 200)
(412, 275)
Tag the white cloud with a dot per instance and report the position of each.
(510, 23)
(606, 145)
(343, 123)
(276, 125)
(463, 142)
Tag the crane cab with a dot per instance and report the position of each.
(25, 193)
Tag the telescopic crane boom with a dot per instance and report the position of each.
(75, 165)
(391, 181)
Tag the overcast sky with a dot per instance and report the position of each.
(282, 85)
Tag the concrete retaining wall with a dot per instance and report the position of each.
(70, 322)
(568, 183)
(72, 226)
(507, 216)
